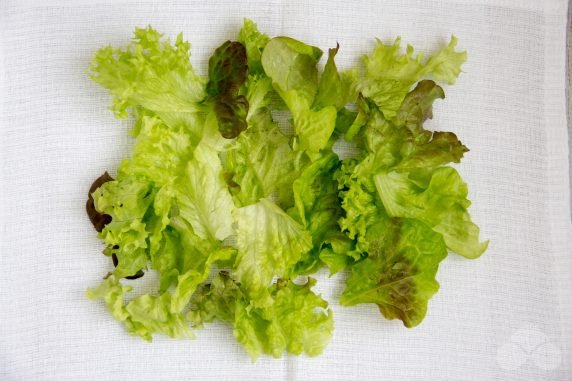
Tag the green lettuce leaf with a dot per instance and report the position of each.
(150, 73)
(127, 202)
(269, 242)
(202, 196)
(437, 197)
(399, 273)
(297, 321)
(361, 205)
(261, 163)
(188, 281)
(144, 315)
(160, 153)
(389, 74)
(318, 208)
(254, 41)
(291, 65)
(334, 88)
(314, 128)
(258, 90)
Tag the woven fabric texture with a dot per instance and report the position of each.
(505, 316)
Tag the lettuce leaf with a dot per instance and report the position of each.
(143, 316)
(389, 74)
(254, 42)
(291, 65)
(261, 163)
(318, 208)
(269, 242)
(399, 273)
(202, 196)
(298, 321)
(438, 197)
(228, 70)
(149, 73)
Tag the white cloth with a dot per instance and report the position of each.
(505, 316)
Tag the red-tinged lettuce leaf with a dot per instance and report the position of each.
(417, 105)
(231, 114)
(403, 143)
(399, 273)
(228, 70)
(99, 220)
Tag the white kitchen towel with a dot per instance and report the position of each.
(505, 316)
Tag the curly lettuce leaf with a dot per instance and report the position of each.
(389, 74)
(188, 281)
(150, 73)
(145, 315)
(254, 42)
(269, 242)
(127, 202)
(261, 163)
(361, 205)
(298, 321)
(160, 153)
(399, 273)
(318, 208)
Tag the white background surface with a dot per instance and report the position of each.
(506, 316)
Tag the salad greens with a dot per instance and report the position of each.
(230, 211)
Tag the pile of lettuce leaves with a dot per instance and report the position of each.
(234, 213)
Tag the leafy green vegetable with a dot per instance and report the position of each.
(228, 70)
(269, 242)
(318, 207)
(261, 162)
(437, 197)
(297, 320)
(399, 273)
(202, 197)
(143, 316)
(149, 73)
(390, 74)
(229, 209)
(254, 41)
(291, 65)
